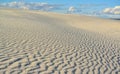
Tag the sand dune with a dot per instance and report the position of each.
(34, 42)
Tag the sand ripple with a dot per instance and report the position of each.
(36, 44)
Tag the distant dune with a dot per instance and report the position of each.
(36, 42)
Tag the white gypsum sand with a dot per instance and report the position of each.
(35, 42)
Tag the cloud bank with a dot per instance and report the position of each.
(115, 10)
(32, 6)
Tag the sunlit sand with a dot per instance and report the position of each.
(36, 42)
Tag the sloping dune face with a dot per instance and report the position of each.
(33, 42)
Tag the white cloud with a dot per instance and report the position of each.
(115, 10)
(33, 6)
(71, 9)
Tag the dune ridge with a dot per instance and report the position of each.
(34, 42)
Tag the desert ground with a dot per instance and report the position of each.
(37, 42)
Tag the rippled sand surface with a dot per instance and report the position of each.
(34, 42)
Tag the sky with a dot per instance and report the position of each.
(109, 8)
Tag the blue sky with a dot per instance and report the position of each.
(90, 7)
(72, 2)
